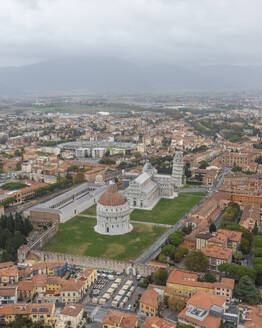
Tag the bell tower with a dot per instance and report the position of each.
(178, 168)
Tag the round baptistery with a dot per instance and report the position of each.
(112, 213)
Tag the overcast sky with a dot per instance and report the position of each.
(177, 31)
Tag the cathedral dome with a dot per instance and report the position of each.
(111, 197)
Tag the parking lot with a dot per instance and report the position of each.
(117, 291)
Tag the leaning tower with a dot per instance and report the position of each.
(178, 168)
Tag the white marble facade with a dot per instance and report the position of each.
(145, 190)
(112, 213)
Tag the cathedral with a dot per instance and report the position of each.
(145, 190)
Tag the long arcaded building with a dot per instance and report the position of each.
(63, 207)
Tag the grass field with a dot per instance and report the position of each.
(90, 211)
(77, 236)
(168, 211)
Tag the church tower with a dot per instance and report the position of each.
(178, 168)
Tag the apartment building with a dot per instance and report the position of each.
(186, 284)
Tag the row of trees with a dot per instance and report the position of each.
(13, 232)
(60, 184)
(173, 250)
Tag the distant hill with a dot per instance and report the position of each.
(101, 75)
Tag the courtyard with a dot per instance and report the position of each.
(77, 236)
(168, 211)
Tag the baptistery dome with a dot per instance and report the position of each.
(112, 213)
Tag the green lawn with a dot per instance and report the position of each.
(90, 211)
(168, 211)
(77, 236)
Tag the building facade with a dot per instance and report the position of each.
(145, 190)
(112, 213)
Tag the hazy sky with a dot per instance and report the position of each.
(177, 31)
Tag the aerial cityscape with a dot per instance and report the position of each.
(130, 164)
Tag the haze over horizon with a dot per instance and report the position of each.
(129, 46)
(175, 32)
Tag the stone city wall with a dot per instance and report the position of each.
(95, 262)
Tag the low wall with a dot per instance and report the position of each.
(95, 262)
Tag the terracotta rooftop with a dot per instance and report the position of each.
(254, 317)
(25, 285)
(217, 252)
(205, 300)
(191, 279)
(120, 319)
(208, 322)
(111, 197)
(9, 272)
(156, 322)
(72, 309)
(25, 308)
(7, 291)
(150, 297)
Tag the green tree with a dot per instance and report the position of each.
(257, 252)
(237, 271)
(209, 277)
(221, 324)
(196, 261)
(176, 303)
(160, 277)
(162, 258)
(168, 250)
(187, 170)
(255, 229)
(258, 241)
(175, 238)
(182, 325)
(245, 246)
(236, 168)
(212, 227)
(246, 291)
(203, 165)
(180, 253)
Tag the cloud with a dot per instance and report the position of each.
(177, 31)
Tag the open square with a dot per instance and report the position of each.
(77, 236)
(168, 211)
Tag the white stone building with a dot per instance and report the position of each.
(112, 213)
(178, 169)
(145, 190)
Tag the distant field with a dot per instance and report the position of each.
(169, 211)
(77, 236)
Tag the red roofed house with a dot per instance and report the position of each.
(217, 255)
(115, 319)
(156, 322)
(203, 310)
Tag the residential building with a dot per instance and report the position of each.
(8, 294)
(150, 300)
(72, 291)
(9, 276)
(35, 312)
(203, 310)
(217, 255)
(72, 313)
(156, 322)
(186, 284)
(115, 319)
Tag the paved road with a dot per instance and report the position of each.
(155, 248)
